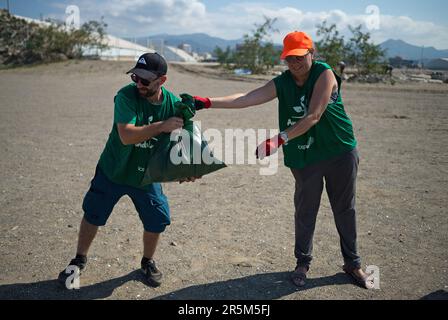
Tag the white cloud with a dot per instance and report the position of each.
(416, 32)
(290, 19)
(141, 17)
(148, 17)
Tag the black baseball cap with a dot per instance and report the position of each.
(150, 66)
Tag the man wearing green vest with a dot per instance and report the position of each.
(318, 143)
(143, 110)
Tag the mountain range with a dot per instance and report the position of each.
(408, 51)
(201, 43)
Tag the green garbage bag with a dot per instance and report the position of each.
(179, 156)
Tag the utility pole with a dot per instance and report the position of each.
(7, 6)
(421, 57)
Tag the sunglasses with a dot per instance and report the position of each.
(144, 82)
(292, 59)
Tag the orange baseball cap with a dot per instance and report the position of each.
(296, 44)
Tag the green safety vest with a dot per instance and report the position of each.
(331, 136)
(126, 164)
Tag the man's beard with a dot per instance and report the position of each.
(147, 93)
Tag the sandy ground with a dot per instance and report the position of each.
(232, 233)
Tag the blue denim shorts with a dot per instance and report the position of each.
(103, 195)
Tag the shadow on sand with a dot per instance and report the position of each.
(265, 286)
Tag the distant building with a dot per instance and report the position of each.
(208, 57)
(438, 64)
(399, 62)
(186, 47)
(31, 20)
(173, 54)
(118, 50)
(123, 50)
(177, 55)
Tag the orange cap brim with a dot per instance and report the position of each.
(294, 52)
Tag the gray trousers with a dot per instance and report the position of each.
(340, 182)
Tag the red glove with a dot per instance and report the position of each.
(269, 147)
(201, 103)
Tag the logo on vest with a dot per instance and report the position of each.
(307, 145)
(147, 144)
(301, 111)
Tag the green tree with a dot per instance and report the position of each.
(225, 57)
(72, 42)
(363, 54)
(257, 53)
(22, 42)
(92, 33)
(331, 47)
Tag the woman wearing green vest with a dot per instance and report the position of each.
(318, 143)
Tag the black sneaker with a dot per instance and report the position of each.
(152, 274)
(79, 262)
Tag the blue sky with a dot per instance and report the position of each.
(417, 22)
